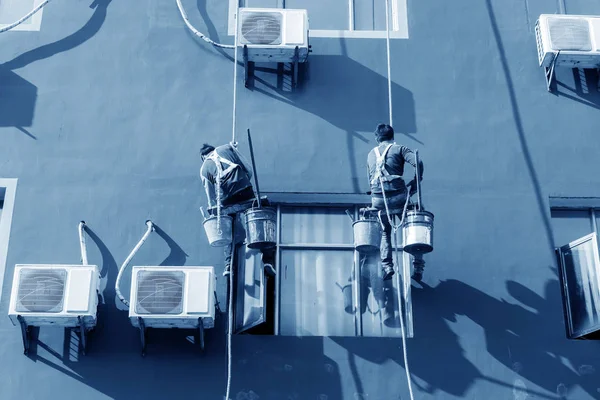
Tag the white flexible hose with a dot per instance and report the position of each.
(84, 259)
(150, 226)
(197, 32)
(19, 22)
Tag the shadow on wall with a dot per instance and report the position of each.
(527, 340)
(278, 368)
(18, 96)
(581, 85)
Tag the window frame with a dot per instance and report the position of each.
(36, 20)
(592, 206)
(8, 188)
(342, 201)
(398, 23)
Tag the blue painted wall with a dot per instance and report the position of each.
(102, 114)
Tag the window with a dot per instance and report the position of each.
(340, 18)
(576, 234)
(13, 10)
(7, 197)
(316, 291)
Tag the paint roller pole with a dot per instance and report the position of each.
(418, 180)
(254, 169)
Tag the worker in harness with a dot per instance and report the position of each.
(226, 178)
(386, 166)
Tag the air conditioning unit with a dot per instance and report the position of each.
(172, 297)
(568, 40)
(273, 34)
(47, 294)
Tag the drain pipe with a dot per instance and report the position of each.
(150, 226)
(25, 18)
(84, 259)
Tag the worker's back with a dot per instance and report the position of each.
(394, 165)
(234, 179)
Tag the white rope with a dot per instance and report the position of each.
(84, 259)
(395, 249)
(150, 226)
(25, 18)
(235, 68)
(198, 33)
(229, 323)
(389, 67)
(231, 265)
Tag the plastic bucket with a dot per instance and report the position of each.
(417, 232)
(216, 238)
(261, 227)
(367, 235)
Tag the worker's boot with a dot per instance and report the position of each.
(388, 272)
(419, 267)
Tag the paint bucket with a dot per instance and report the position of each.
(367, 235)
(215, 237)
(417, 232)
(261, 227)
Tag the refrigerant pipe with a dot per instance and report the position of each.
(197, 32)
(150, 226)
(84, 258)
(25, 18)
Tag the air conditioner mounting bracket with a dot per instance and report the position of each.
(27, 337)
(549, 73)
(249, 67)
(199, 338)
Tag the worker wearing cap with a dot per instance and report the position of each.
(386, 165)
(226, 178)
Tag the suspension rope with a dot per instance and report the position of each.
(231, 262)
(230, 319)
(389, 67)
(395, 249)
(25, 18)
(235, 68)
(198, 33)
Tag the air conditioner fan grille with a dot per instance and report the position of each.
(570, 34)
(41, 290)
(160, 292)
(262, 27)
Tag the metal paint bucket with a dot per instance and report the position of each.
(417, 232)
(216, 238)
(261, 227)
(367, 235)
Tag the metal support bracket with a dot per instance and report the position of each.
(295, 61)
(201, 334)
(82, 335)
(26, 333)
(549, 73)
(248, 67)
(142, 335)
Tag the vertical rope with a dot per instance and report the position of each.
(235, 68)
(395, 250)
(389, 67)
(231, 265)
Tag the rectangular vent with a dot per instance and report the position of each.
(160, 292)
(41, 290)
(570, 34)
(261, 28)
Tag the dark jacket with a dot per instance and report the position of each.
(235, 178)
(394, 164)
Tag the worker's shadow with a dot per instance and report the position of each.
(18, 96)
(530, 343)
